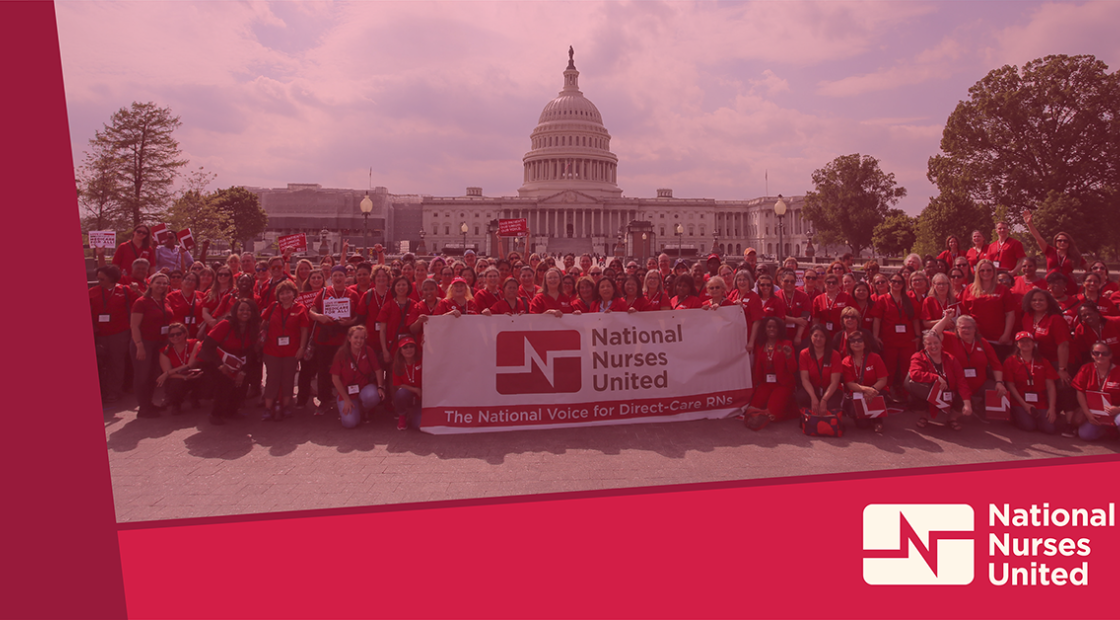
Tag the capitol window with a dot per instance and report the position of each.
(447, 230)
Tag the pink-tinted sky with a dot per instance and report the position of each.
(700, 97)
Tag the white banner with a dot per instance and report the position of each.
(502, 373)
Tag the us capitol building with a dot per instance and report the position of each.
(569, 196)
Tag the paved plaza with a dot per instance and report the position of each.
(182, 466)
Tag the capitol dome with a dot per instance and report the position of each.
(570, 146)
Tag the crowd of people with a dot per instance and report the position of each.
(945, 334)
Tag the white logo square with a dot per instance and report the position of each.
(918, 544)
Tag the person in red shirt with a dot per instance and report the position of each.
(491, 290)
(607, 298)
(330, 331)
(1043, 319)
(551, 300)
(751, 303)
(510, 304)
(585, 294)
(285, 326)
(819, 388)
(1062, 255)
(850, 325)
(1102, 377)
(392, 318)
(370, 303)
(979, 362)
(632, 293)
(140, 246)
(934, 372)
(939, 301)
(110, 307)
(356, 377)
(224, 285)
(459, 300)
(1031, 383)
(717, 294)
(527, 278)
(952, 250)
(228, 351)
(1006, 252)
(979, 249)
(1091, 291)
(775, 376)
(1029, 279)
(864, 376)
(827, 308)
(1058, 287)
(421, 310)
(811, 279)
(863, 300)
(151, 316)
(408, 382)
(772, 305)
(186, 305)
(991, 305)
(1108, 286)
(1092, 327)
(181, 375)
(896, 329)
(686, 297)
(655, 296)
(799, 307)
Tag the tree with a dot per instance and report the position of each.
(140, 159)
(243, 208)
(1024, 135)
(894, 235)
(852, 196)
(950, 213)
(99, 195)
(201, 214)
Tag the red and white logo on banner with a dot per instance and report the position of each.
(918, 544)
(545, 362)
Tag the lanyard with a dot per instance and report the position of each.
(410, 372)
(831, 303)
(937, 368)
(1030, 368)
(1101, 379)
(105, 299)
(180, 359)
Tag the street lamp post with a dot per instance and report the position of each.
(421, 250)
(679, 232)
(463, 229)
(780, 209)
(367, 208)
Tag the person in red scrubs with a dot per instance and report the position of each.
(181, 375)
(510, 304)
(228, 350)
(1092, 327)
(110, 304)
(392, 318)
(820, 370)
(285, 327)
(186, 304)
(585, 294)
(151, 316)
(939, 300)
(979, 249)
(952, 250)
(330, 331)
(896, 329)
(607, 298)
(1043, 319)
(357, 378)
(551, 300)
(1101, 377)
(992, 306)
(686, 297)
(1108, 286)
(1091, 291)
(1062, 255)
(1029, 279)
(1031, 383)
(139, 246)
(981, 366)
(864, 376)
(799, 308)
(459, 300)
(408, 382)
(775, 376)
(717, 294)
(827, 308)
(632, 293)
(1006, 251)
(655, 296)
(933, 368)
(491, 290)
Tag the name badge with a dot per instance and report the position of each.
(788, 326)
(283, 340)
(771, 378)
(900, 329)
(352, 389)
(970, 373)
(1031, 397)
(103, 318)
(947, 397)
(828, 326)
(377, 327)
(189, 320)
(163, 330)
(857, 395)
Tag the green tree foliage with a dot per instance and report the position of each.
(1023, 136)
(201, 214)
(895, 235)
(135, 160)
(247, 218)
(99, 194)
(851, 197)
(950, 213)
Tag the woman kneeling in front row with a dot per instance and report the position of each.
(357, 377)
(932, 369)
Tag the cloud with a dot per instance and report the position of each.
(934, 63)
(1060, 28)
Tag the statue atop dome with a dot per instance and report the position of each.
(571, 58)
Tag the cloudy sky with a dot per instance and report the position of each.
(704, 98)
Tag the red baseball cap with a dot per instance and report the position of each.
(405, 340)
(1022, 335)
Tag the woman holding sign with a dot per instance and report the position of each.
(937, 378)
(510, 304)
(334, 311)
(459, 300)
(551, 300)
(1098, 393)
(151, 316)
(357, 379)
(491, 290)
(228, 350)
(285, 327)
(1034, 399)
(655, 296)
(864, 375)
